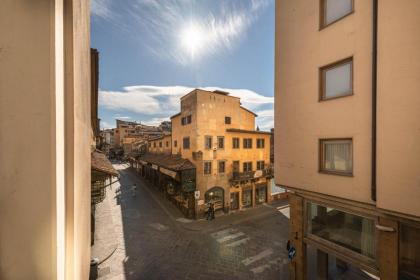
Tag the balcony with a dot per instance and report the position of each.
(267, 172)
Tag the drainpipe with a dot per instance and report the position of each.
(374, 93)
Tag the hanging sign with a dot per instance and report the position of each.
(197, 194)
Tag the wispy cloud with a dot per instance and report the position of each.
(157, 103)
(183, 30)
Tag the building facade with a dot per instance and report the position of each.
(347, 119)
(160, 144)
(232, 159)
(45, 185)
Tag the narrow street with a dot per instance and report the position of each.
(143, 236)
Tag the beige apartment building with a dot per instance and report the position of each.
(160, 144)
(232, 159)
(347, 134)
(45, 181)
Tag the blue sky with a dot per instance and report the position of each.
(154, 51)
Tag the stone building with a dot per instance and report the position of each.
(160, 145)
(231, 159)
(347, 134)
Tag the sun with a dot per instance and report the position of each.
(192, 39)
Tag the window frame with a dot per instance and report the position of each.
(246, 146)
(259, 142)
(323, 12)
(247, 163)
(321, 158)
(160, 144)
(233, 142)
(259, 164)
(183, 143)
(175, 143)
(224, 166)
(322, 78)
(228, 120)
(204, 167)
(206, 137)
(344, 253)
(218, 142)
(239, 166)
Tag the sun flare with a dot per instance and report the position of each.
(192, 39)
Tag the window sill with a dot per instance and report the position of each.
(321, 99)
(336, 173)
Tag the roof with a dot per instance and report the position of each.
(247, 131)
(242, 107)
(99, 162)
(172, 162)
(160, 137)
(176, 115)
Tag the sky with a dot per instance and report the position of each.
(152, 52)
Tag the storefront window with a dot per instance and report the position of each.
(216, 196)
(348, 230)
(247, 198)
(409, 253)
(261, 194)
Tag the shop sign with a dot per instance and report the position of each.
(258, 174)
(168, 172)
(197, 194)
(155, 167)
(200, 202)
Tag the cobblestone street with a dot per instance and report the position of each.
(144, 236)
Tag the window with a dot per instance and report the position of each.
(351, 231)
(334, 10)
(167, 143)
(186, 120)
(260, 143)
(207, 167)
(235, 143)
(228, 120)
(336, 156)
(247, 166)
(154, 144)
(260, 165)
(186, 142)
(247, 143)
(160, 144)
(150, 145)
(336, 80)
(208, 142)
(409, 252)
(235, 166)
(220, 142)
(222, 165)
(175, 143)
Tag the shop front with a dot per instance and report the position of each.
(215, 195)
(174, 177)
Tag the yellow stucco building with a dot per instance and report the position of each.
(232, 159)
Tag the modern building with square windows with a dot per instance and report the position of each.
(347, 134)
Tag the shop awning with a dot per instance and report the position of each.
(101, 164)
(171, 162)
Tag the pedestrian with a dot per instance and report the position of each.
(208, 211)
(212, 211)
(134, 190)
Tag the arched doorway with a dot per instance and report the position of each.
(215, 195)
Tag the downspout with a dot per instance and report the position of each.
(374, 93)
